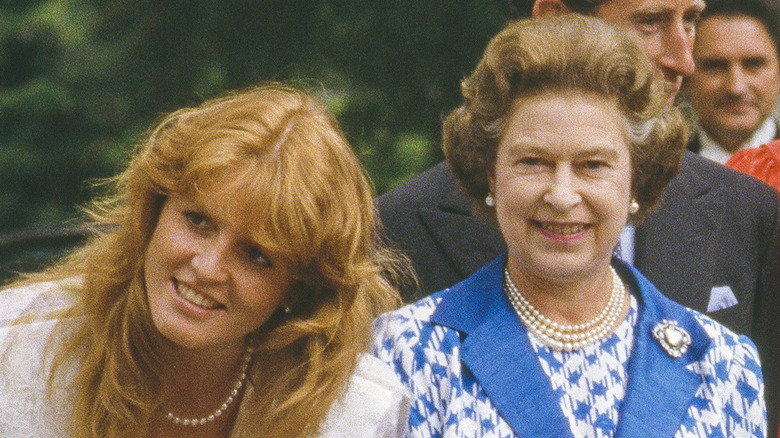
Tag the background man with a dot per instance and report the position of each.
(712, 245)
(736, 83)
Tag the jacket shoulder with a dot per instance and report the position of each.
(737, 186)
(427, 189)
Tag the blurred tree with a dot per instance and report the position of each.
(80, 80)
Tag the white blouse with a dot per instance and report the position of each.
(374, 405)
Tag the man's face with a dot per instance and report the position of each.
(664, 28)
(737, 78)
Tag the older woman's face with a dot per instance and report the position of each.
(562, 184)
(208, 283)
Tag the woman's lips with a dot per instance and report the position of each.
(564, 229)
(563, 232)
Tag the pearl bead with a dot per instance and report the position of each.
(561, 337)
(225, 405)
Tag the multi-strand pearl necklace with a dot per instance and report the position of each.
(225, 405)
(562, 337)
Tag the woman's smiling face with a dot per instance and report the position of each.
(208, 283)
(562, 184)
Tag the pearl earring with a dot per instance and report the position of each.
(633, 207)
(287, 310)
(490, 201)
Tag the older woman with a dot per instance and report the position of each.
(230, 293)
(563, 138)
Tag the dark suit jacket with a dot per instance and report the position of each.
(715, 227)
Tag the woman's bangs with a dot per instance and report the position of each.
(266, 206)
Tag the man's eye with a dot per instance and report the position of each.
(755, 63)
(650, 23)
(712, 65)
(691, 21)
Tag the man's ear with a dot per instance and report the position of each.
(546, 8)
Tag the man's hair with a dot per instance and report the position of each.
(522, 8)
(765, 11)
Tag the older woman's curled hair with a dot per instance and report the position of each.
(522, 61)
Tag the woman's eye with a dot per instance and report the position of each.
(530, 161)
(257, 256)
(197, 220)
(594, 164)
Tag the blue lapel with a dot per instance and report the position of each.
(660, 388)
(496, 349)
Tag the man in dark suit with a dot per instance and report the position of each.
(736, 84)
(713, 244)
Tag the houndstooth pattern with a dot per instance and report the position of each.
(448, 402)
(729, 402)
(591, 382)
(446, 399)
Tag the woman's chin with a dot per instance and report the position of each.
(564, 268)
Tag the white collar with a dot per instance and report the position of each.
(712, 150)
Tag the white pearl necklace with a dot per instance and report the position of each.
(225, 405)
(562, 337)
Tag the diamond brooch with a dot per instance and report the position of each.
(673, 338)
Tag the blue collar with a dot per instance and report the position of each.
(660, 388)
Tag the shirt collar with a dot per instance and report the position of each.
(712, 150)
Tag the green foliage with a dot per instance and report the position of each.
(81, 80)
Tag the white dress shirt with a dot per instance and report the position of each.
(712, 150)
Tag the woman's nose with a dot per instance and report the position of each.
(210, 262)
(562, 194)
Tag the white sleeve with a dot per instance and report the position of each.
(375, 404)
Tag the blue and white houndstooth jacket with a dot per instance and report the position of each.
(472, 370)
